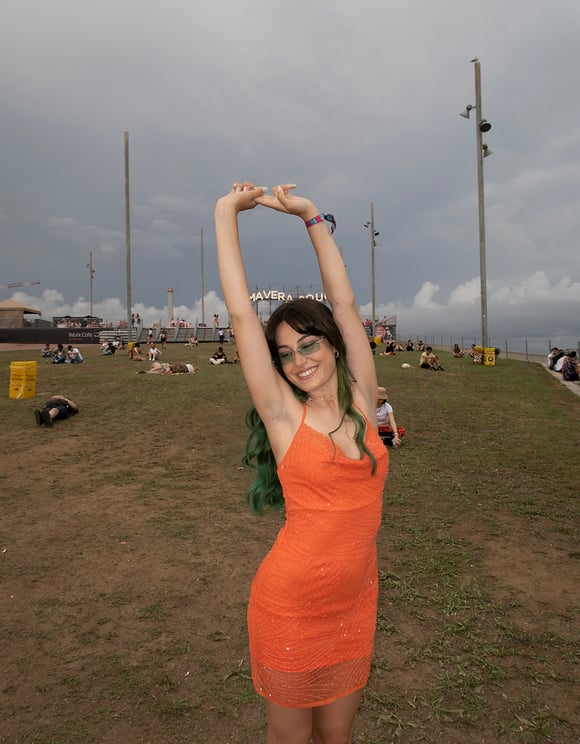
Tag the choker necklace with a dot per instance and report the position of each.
(330, 396)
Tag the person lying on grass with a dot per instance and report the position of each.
(57, 407)
(166, 368)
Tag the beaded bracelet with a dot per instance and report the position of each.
(322, 218)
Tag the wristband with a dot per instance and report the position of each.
(322, 218)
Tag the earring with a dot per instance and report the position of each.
(336, 354)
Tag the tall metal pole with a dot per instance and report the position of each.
(128, 239)
(202, 280)
(373, 269)
(481, 204)
(91, 275)
(170, 292)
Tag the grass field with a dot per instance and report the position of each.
(127, 554)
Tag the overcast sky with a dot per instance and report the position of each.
(356, 101)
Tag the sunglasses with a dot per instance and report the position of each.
(310, 347)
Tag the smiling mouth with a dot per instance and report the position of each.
(307, 373)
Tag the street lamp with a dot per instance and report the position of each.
(482, 126)
(91, 279)
(202, 279)
(128, 237)
(373, 234)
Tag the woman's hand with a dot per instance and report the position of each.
(242, 196)
(283, 201)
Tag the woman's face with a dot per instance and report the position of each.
(312, 370)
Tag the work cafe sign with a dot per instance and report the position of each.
(279, 296)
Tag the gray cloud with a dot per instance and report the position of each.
(353, 102)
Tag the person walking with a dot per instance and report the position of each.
(316, 450)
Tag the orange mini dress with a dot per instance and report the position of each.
(313, 602)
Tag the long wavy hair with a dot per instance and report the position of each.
(312, 318)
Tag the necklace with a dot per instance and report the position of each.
(330, 396)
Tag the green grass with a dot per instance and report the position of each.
(128, 554)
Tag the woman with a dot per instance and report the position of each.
(457, 353)
(389, 432)
(312, 610)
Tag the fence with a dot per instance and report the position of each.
(516, 348)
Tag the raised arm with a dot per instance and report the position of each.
(265, 385)
(338, 290)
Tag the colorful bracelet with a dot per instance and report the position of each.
(322, 218)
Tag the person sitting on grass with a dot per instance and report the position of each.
(457, 353)
(59, 355)
(46, 351)
(154, 352)
(571, 368)
(135, 353)
(553, 356)
(389, 432)
(192, 341)
(57, 407)
(219, 357)
(73, 355)
(429, 360)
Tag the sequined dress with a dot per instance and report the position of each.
(313, 603)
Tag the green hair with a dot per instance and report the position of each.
(312, 318)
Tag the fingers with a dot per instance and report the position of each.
(247, 186)
(282, 191)
(247, 196)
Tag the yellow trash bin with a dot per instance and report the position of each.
(489, 357)
(22, 380)
(478, 354)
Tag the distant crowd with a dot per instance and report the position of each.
(564, 362)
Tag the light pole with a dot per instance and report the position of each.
(128, 237)
(202, 278)
(483, 151)
(91, 278)
(170, 292)
(374, 234)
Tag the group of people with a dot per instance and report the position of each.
(565, 362)
(60, 355)
(108, 348)
(317, 444)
